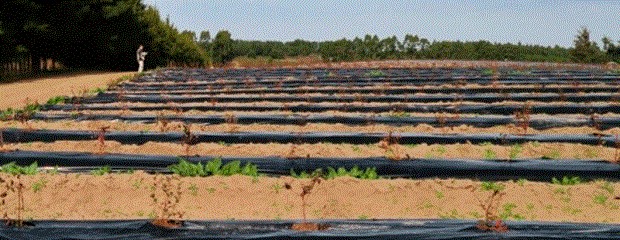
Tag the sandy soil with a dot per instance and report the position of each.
(353, 103)
(328, 113)
(319, 127)
(375, 89)
(440, 151)
(87, 197)
(15, 95)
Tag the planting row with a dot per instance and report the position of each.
(484, 151)
(203, 74)
(130, 86)
(400, 122)
(279, 229)
(409, 98)
(243, 197)
(382, 89)
(465, 108)
(364, 168)
(189, 137)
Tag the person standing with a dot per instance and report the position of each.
(140, 54)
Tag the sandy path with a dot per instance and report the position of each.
(77, 197)
(14, 95)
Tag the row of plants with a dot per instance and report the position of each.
(167, 191)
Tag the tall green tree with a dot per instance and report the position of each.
(222, 48)
(585, 51)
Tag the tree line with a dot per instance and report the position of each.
(94, 34)
(223, 49)
(104, 34)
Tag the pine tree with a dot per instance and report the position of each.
(586, 51)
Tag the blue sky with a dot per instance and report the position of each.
(529, 21)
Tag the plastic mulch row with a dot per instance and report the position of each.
(281, 229)
(569, 108)
(487, 170)
(601, 123)
(483, 98)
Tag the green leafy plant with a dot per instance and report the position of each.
(442, 149)
(14, 169)
(487, 72)
(600, 199)
(439, 194)
(515, 150)
(214, 167)
(101, 170)
(566, 180)
(508, 213)
(492, 186)
(97, 90)
(374, 73)
(489, 154)
(193, 189)
(56, 100)
(369, 173)
(38, 185)
(399, 114)
(7, 114)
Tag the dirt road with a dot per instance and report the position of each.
(14, 95)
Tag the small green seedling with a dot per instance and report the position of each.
(101, 171)
(567, 180)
